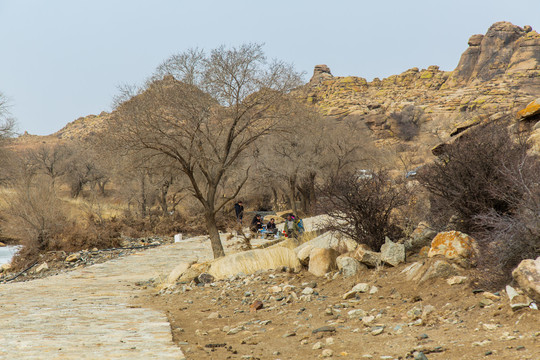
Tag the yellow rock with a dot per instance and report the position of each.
(454, 245)
(533, 108)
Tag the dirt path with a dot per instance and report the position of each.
(89, 313)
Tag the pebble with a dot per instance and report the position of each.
(327, 353)
(361, 288)
(289, 334)
(308, 291)
(418, 355)
(377, 330)
(318, 345)
(324, 329)
(329, 341)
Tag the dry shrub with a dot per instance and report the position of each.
(407, 122)
(363, 208)
(39, 219)
(35, 215)
(488, 182)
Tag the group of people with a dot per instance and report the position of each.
(293, 226)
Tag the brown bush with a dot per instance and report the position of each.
(363, 208)
(488, 181)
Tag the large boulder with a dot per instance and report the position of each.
(328, 240)
(456, 246)
(249, 262)
(322, 261)
(527, 275)
(349, 266)
(370, 258)
(420, 237)
(392, 253)
(431, 269)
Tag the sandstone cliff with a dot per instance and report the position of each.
(497, 75)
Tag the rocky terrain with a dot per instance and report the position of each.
(498, 74)
(418, 309)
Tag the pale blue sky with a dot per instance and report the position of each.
(62, 59)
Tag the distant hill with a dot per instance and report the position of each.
(496, 76)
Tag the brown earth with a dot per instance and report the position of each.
(214, 321)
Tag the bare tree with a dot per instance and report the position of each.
(232, 99)
(51, 160)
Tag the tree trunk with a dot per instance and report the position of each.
(292, 194)
(143, 198)
(215, 241)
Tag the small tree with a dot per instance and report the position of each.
(226, 102)
(362, 207)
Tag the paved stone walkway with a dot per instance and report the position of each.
(87, 313)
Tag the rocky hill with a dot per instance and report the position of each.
(497, 75)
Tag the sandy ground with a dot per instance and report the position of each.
(214, 321)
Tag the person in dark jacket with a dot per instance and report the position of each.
(239, 210)
(271, 226)
(256, 223)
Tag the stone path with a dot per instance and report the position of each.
(87, 313)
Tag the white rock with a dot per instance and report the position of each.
(274, 289)
(392, 253)
(308, 291)
(356, 313)
(368, 319)
(41, 268)
(361, 288)
(318, 345)
(454, 280)
(327, 353)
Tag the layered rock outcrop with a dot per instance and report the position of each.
(497, 75)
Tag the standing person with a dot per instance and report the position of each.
(292, 228)
(239, 210)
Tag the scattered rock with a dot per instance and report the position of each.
(517, 301)
(527, 275)
(318, 345)
(214, 315)
(5, 267)
(308, 291)
(41, 268)
(392, 253)
(361, 288)
(327, 353)
(324, 329)
(367, 257)
(256, 305)
(349, 266)
(73, 257)
(205, 278)
(454, 280)
(420, 237)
